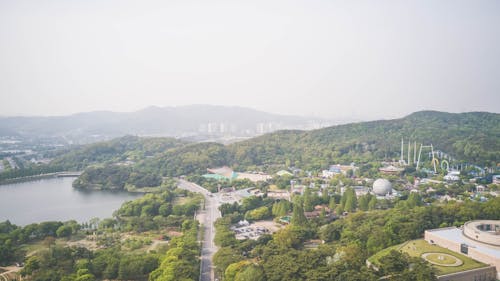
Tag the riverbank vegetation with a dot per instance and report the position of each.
(144, 236)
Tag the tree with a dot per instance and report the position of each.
(339, 210)
(308, 204)
(233, 269)
(325, 198)
(394, 262)
(330, 232)
(373, 203)
(290, 237)
(397, 265)
(298, 217)
(49, 241)
(420, 271)
(84, 275)
(251, 273)
(179, 263)
(32, 264)
(363, 202)
(94, 223)
(224, 257)
(223, 235)
(280, 208)
(414, 200)
(349, 201)
(148, 210)
(350, 204)
(64, 231)
(257, 214)
(332, 204)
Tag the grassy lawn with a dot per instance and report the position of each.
(416, 248)
(33, 247)
(442, 258)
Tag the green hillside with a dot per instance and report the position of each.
(128, 150)
(468, 137)
(472, 137)
(120, 149)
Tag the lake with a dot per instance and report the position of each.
(54, 199)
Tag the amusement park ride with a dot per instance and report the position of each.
(444, 164)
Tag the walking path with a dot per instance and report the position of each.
(10, 273)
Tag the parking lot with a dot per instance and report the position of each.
(255, 229)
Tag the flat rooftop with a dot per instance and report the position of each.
(456, 235)
(416, 248)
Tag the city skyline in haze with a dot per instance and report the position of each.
(336, 120)
(331, 59)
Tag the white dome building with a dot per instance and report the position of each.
(382, 187)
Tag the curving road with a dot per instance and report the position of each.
(206, 217)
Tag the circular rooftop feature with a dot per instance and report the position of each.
(483, 231)
(382, 187)
(442, 259)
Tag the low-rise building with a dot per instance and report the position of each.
(338, 169)
(479, 240)
(279, 194)
(391, 169)
(495, 179)
(452, 176)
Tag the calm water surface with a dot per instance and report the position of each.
(54, 199)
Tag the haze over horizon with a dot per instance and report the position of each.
(363, 60)
(340, 119)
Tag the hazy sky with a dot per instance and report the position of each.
(362, 59)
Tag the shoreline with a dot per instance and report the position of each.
(41, 176)
(69, 174)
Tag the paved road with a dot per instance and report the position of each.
(206, 218)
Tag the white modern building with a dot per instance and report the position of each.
(479, 240)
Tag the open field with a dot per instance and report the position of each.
(134, 242)
(416, 248)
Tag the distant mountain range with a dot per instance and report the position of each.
(198, 122)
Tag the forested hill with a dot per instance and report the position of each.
(468, 137)
(472, 137)
(127, 150)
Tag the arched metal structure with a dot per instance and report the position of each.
(447, 165)
(432, 156)
(435, 162)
